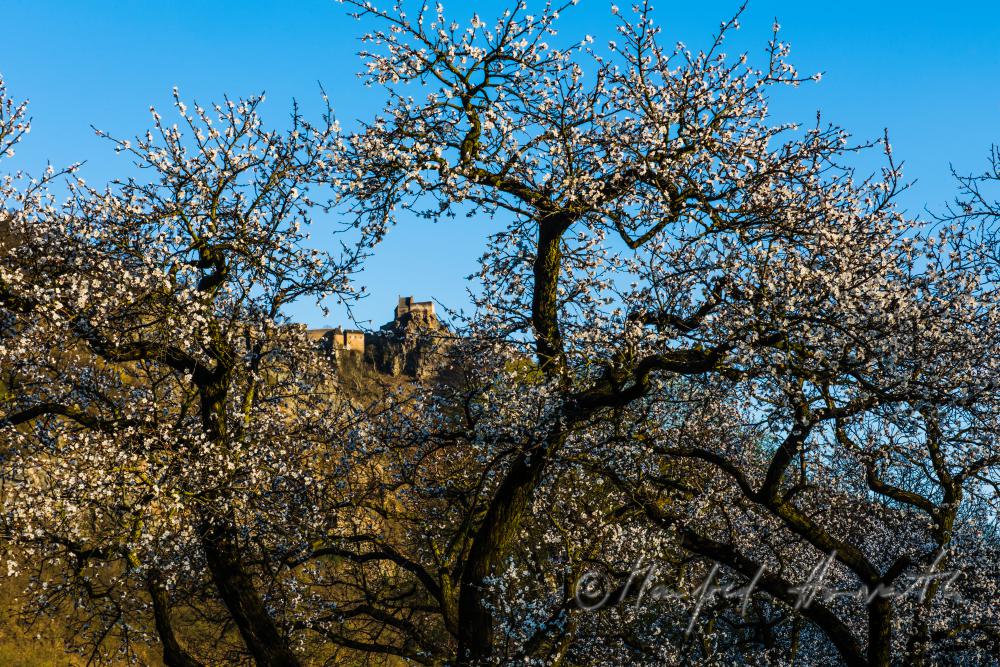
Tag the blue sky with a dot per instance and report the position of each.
(927, 71)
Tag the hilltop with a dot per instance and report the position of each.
(409, 345)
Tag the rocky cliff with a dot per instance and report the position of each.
(412, 344)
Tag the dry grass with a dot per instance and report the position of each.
(41, 645)
(44, 642)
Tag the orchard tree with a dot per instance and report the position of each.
(162, 420)
(676, 259)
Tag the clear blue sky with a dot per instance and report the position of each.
(929, 71)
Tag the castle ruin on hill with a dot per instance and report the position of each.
(405, 346)
(421, 311)
(338, 340)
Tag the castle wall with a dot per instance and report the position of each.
(420, 309)
(398, 348)
(338, 340)
(354, 341)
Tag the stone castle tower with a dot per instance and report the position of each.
(408, 345)
(408, 309)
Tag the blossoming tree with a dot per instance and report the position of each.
(743, 338)
(151, 446)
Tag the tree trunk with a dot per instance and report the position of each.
(260, 634)
(173, 654)
(500, 526)
(489, 547)
(880, 632)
